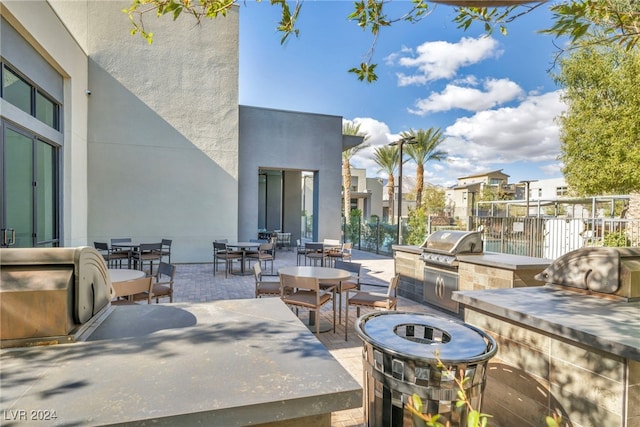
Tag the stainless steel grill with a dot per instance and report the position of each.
(50, 295)
(440, 256)
(442, 247)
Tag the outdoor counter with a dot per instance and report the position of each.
(231, 363)
(559, 351)
(505, 261)
(487, 270)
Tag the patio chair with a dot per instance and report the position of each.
(146, 253)
(343, 253)
(165, 251)
(163, 285)
(306, 294)
(264, 288)
(127, 290)
(314, 252)
(120, 240)
(347, 285)
(222, 253)
(301, 251)
(283, 240)
(263, 254)
(110, 256)
(375, 300)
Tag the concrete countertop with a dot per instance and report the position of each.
(231, 363)
(492, 259)
(407, 248)
(610, 325)
(505, 261)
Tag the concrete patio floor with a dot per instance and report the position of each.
(197, 283)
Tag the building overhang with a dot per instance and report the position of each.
(350, 141)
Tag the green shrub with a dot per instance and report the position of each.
(416, 227)
(616, 239)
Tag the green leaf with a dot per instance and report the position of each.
(365, 72)
(473, 418)
(417, 402)
(551, 422)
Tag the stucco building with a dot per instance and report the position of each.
(104, 135)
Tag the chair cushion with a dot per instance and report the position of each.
(372, 300)
(269, 288)
(306, 299)
(161, 290)
(347, 286)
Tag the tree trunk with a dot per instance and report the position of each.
(390, 192)
(346, 185)
(419, 184)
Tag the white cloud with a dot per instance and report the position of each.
(552, 169)
(379, 134)
(488, 140)
(495, 92)
(527, 132)
(441, 59)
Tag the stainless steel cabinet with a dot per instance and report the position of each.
(439, 286)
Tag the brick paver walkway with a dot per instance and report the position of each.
(197, 283)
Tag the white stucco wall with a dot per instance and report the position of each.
(163, 128)
(546, 188)
(288, 140)
(37, 23)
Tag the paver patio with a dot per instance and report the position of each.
(196, 283)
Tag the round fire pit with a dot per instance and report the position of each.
(407, 353)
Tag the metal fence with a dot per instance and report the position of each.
(552, 237)
(529, 236)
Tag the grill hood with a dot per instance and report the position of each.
(49, 295)
(453, 242)
(604, 271)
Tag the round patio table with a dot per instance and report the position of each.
(125, 274)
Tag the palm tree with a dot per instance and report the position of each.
(349, 128)
(422, 151)
(387, 158)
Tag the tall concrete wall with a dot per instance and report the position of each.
(286, 140)
(163, 127)
(37, 24)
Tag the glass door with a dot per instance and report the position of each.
(29, 191)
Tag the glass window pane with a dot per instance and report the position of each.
(46, 110)
(18, 187)
(16, 91)
(45, 192)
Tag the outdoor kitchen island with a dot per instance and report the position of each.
(426, 282)
(571, 346)
(224, 363)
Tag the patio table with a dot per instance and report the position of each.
(125, 274)
(243, 247)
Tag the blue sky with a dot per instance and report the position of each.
(492, 96)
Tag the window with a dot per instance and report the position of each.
(29, 98)
(561, 191)
(16, 91)
(29, 191)
(46, 110)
